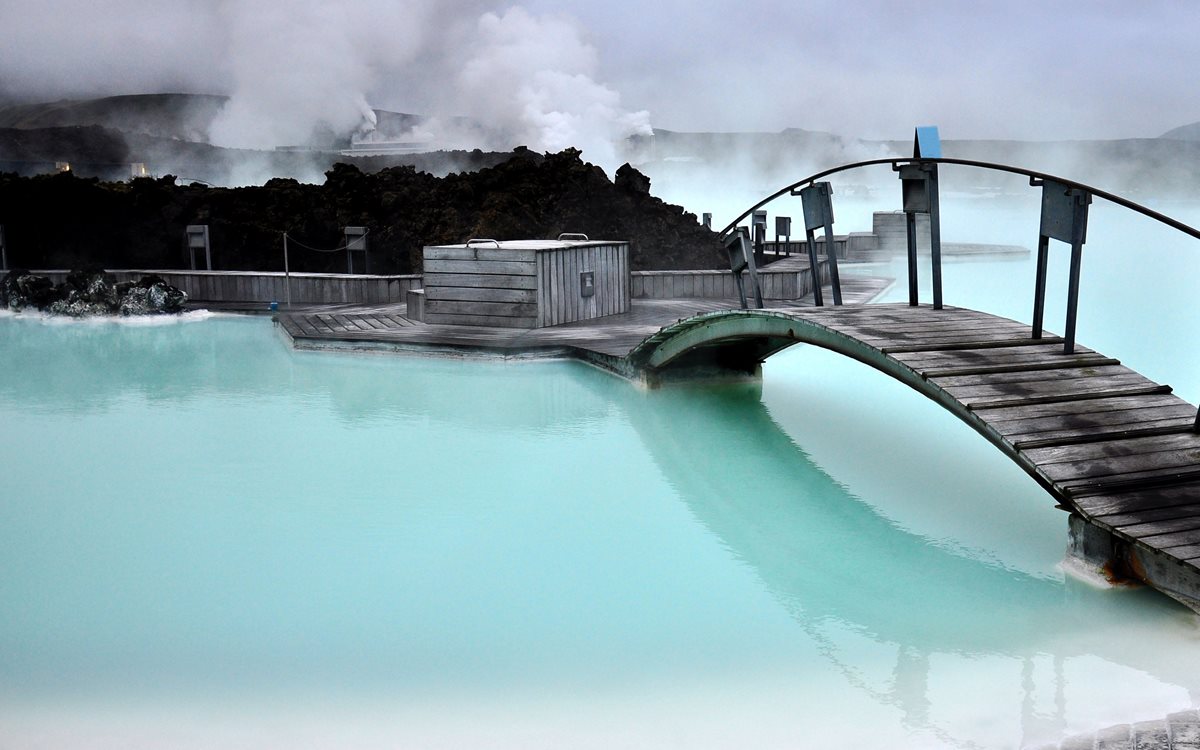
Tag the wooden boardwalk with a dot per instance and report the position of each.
(1110, 445)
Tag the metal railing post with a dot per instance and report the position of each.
(1039, 286)
(831, 253)
(817, 200)
(814, 268)
(935, 233)
(1080, 202)
(741, 258)
(910, 223)
(287, 274)
(1063, 218)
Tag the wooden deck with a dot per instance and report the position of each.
(614, 336)
(1110, 445)
(1107, 443)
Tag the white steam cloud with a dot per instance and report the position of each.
(306, 72)
(297, 71)
(533, 79)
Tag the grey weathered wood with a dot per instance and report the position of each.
(1133, 446)
(465, 307)
(1108, 443)
(475, 252)
(482, 294)
(984, 343)
(1102, 505)
(1098, 436)
(1133, 481)
(490, 281)
(509, 267)
(1041, 374)
(947, 372)
(1146, 528)
(483, 320)
(1003, 403)
(1139, 516)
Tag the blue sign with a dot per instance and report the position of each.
(927, 144)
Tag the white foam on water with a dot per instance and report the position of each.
(132, 321)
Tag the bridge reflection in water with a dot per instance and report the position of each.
(937, 610)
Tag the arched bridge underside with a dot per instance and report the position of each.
(1116, 449)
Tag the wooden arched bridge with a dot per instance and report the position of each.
(1118, 451)
(1110, 445)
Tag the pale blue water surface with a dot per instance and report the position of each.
(209, 540)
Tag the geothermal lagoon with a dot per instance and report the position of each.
(210, 540)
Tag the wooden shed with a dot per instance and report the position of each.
(525, 283)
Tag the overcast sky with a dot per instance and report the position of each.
(868, 68)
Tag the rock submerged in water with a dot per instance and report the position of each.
(90, 292)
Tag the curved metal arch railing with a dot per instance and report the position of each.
(1083, 192)
(994, 166)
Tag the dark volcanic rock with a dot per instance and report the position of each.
(21, 289)
(631, 181)
(90, 292)
(62, 221)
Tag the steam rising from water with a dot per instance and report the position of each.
(536, 76)
(307, 72)
(298, 70)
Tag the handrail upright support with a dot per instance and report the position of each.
(741, 258)
(935, 235)
(817, 202)
(831, 253)
(1064, 218)
(814, 268)
(918, 181)
(911, 225)
(1072, 298)
(1039, 286)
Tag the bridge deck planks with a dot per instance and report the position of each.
(1108, 442)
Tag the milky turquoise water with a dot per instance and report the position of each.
(209, 540)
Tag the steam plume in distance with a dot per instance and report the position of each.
(536, 77)
(309, 72)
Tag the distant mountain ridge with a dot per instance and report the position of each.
(169, 133)
(1190, 132)
(185, 117)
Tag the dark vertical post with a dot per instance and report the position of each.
(197, 237)
(910, 220)
(783, 228)
(1064, 218)
(741, 258)
(741, 287)
(825, 196)
(817, 200)
(814, 267)
(1080, 201)
(831, 253)
(758, 235)
(914, 181)
(287, 274)
(1039, 288)
(920, 181)
(935, 234)
(3, 251)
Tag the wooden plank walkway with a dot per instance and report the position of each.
(611, 336)
(1108, 443)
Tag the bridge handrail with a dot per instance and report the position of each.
(1030, 173)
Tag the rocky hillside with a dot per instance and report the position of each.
(63, 221)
